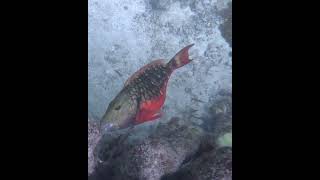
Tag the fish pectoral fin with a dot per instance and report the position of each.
(157, 115)
(145, 116)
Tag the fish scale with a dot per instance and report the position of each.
(149, 83)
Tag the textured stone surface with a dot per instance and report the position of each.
(226, 27)
(126, 34)
(149, 158)
(219, 120)
(213, 165)
(93, 139)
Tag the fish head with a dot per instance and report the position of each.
(120, 113)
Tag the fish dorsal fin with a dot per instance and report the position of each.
(141, 70)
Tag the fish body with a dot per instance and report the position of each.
(143, 94)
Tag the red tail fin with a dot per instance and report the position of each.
(181, 58)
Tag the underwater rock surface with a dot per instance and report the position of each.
(93, 139)
(214, 165)
(151, 157)
(220, 120)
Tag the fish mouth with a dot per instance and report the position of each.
(108, 127)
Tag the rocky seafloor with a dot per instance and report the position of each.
(177, 149)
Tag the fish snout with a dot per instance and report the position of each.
(108, 127)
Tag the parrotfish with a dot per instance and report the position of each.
(143, 95)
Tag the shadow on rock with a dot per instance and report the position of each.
(219, 123)
(226, 27)
(151, 157)
(213, 165)
(93, 139)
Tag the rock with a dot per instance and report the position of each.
(93, 138)
(220, 120)
(163, 152)
(226, 27)
(160, 4)
(213, 165)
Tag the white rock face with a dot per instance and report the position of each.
(124, 35)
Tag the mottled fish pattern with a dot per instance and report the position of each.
(143, 94)
(149, 83)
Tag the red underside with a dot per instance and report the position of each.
(151, 109)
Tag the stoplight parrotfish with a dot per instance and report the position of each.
(143, 94)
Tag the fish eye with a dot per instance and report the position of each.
(118, 107)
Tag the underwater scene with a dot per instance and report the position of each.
(160, 90)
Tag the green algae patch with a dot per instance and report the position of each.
(225, 140)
